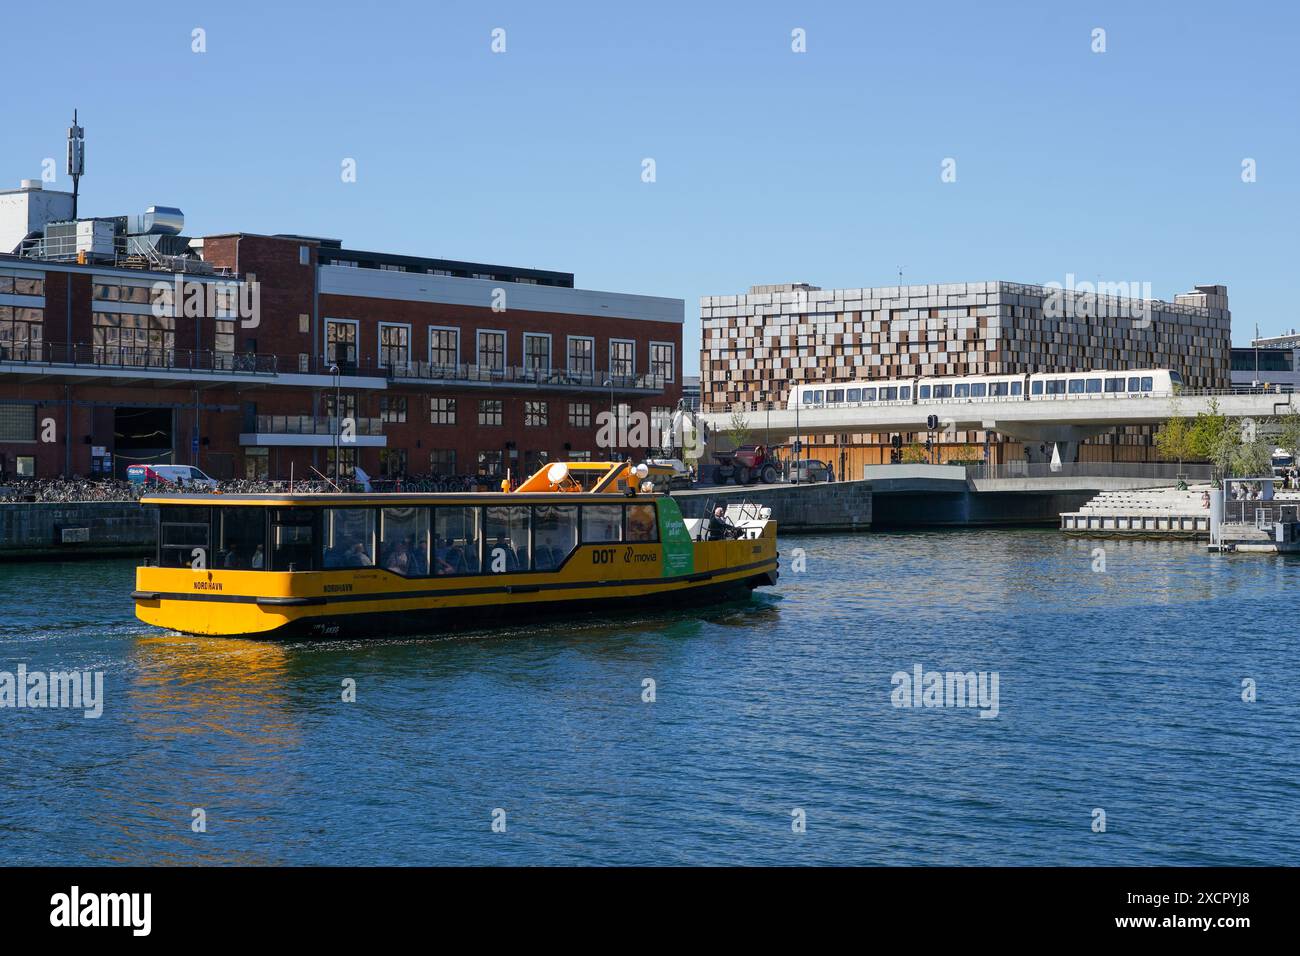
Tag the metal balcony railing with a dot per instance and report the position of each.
(1165, 471)
(515, 375)
(144, 358)
(314, 425)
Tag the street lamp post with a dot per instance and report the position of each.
(338, 422)
(614, 444)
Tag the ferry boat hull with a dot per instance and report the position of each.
(346, 566)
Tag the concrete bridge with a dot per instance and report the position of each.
(1064, 420)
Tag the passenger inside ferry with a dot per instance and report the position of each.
(502, 545)
(641, 523)
(448, 559)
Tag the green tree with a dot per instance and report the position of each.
(1253, 455)
(740, 431)
(1214, 438)
(915, 454)
(1288, 434)
(1174, 439)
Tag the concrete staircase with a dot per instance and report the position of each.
(1143, 512)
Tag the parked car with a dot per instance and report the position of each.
(681, 475)
(806, 470)
(181, 476)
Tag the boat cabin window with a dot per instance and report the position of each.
(293, 539)
(349, 538)
(602, 523)
(555, 535)
(404, 541)
(239, 538)
(457, 538)
(505, 545)
(641, 523)
(183, 536)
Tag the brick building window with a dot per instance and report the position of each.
(489, 463)
(537, 352)
(535, 413)
(347, 462)
(394, 345)
(442, 461)
(444, 347)
(492, 350)
(223, 343)
(124, 338)
(392, 462)
(257, 463)
(341, 342)
(489, 411)
(580, 414)
(662, 360)
(21, 331)
(622, 357)
(21, 285)
(442, 411)
(392, 408)
(582, 354)
(347, 405)
(17, 423)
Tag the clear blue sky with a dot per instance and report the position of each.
(771, 166)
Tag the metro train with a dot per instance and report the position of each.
(1138, 383)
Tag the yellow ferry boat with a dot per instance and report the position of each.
(574, 537)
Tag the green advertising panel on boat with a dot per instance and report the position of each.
(679, 551)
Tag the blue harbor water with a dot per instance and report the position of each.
(1118, 690)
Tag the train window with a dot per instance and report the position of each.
(1016, 388)
(818, 397)
(1146, 383)
(1175, 378)
(978, 389)
(997, 388)
(835, 395)
(1036, 388)
(1134, 384)
(889, 394)
(1114, 385)
(1056, 387)
(943, 391)
(1094, 385)
(1076, 386)
(807, 396)
(868, 394)
(923, 391)
(855, 395)
(961, 390)
(905, 393)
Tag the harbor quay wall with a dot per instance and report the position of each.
(75, 529)
(962, 508)
(822, 506)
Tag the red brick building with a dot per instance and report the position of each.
(436, 366)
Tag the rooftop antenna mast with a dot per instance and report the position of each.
(76, 158)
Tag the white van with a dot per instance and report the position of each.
(185, 476)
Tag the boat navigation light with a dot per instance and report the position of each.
(557, 473)
(641, 470)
